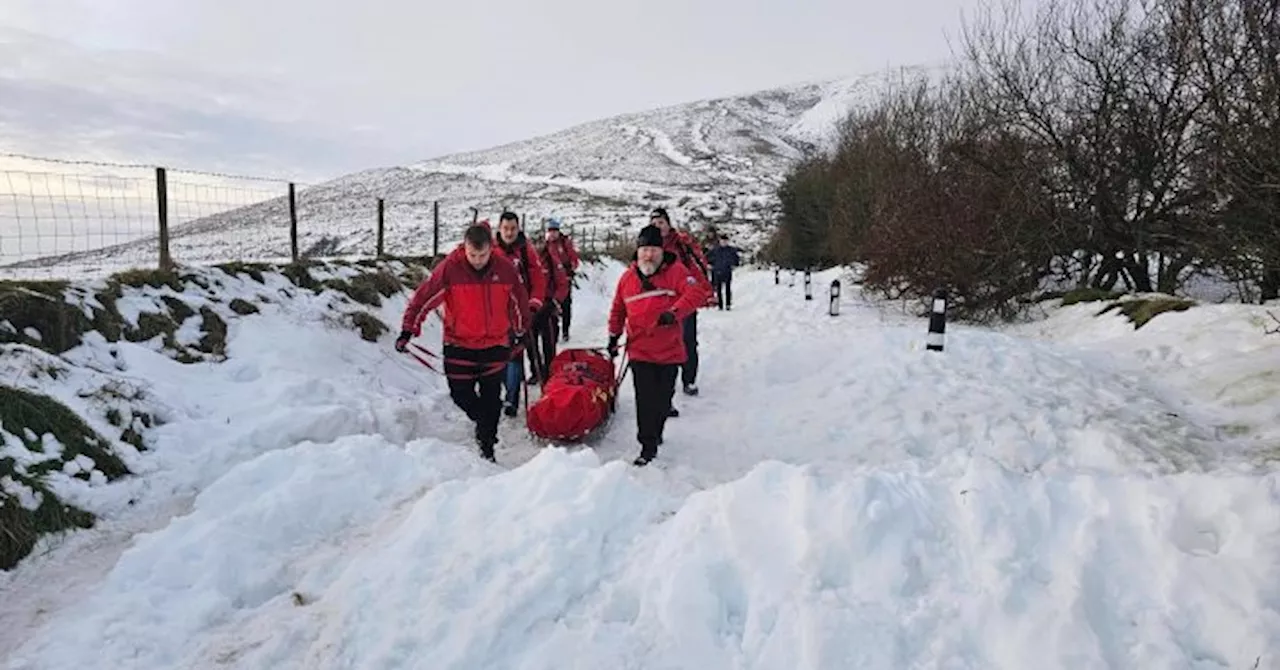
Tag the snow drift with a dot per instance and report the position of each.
(836, 498)
(564, 562)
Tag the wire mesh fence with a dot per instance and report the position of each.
(67, 219)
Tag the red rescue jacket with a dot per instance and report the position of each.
(561, 260)
(524, 256)
(689, 253)
(482, 308)
(637, 303)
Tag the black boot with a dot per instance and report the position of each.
(648, 452)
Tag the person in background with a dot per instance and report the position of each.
(512, 244)
(723, 257)
(689, 253)
(561, 258)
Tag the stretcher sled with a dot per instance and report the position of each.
(578, 398)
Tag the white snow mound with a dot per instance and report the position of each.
(566, 563)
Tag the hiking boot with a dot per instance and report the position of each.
(691, 389)
(648, 452)
(673, 412)
(509, 410)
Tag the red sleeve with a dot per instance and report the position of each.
(537, 274)
(572, 252)
(522, 314)
(690, 293)
(618, 312)
(427, 297)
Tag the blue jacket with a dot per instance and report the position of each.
(722, 259)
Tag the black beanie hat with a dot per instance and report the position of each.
(660, 213)
(649, 236)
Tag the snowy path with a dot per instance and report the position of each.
(836, 498)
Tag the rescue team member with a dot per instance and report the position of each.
(486, 311)
(653, 297)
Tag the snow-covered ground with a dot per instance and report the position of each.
(837, 497)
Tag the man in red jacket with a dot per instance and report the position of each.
(689, 253)
(562, 261)
(654, 295)
(512, 245)
(486, 309)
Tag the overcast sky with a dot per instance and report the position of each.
(317, 88)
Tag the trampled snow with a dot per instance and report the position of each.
(837, 497)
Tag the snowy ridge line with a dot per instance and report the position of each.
(608, 175)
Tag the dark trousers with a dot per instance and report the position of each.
(480, 396)
(655, 385)
(545, 334)
(724, 291)
(689, 371)
(566, 312)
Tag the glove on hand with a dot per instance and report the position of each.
(402, 342)
(613, 346)
(666, 318)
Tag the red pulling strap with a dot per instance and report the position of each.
(421, 354)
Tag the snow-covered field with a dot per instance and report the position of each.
(1066, 494)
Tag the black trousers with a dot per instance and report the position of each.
(689, 371)
(544, 336)
(480, 398)
(566, 313)
(655, 385)
(724, 291)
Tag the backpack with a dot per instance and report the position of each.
(688, 257)
(551, 276)
(524, 261)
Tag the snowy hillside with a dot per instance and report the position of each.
(1063, 496)
(709, 162)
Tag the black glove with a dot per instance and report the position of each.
(613, 346)
(402, 342)
(666, 318)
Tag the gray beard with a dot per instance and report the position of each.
(647, 267)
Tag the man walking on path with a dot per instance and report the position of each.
(689, 253)
(514, 246)
(486, 311)
(562, 260)
(654, 295)
(723, 258)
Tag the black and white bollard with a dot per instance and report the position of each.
(834, 308)
(937, 321)
(776, 278)
(808, 285)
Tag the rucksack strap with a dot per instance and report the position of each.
(551, 276)
(524, 265)
(688, 257)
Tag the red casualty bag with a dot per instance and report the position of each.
(577, 397)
